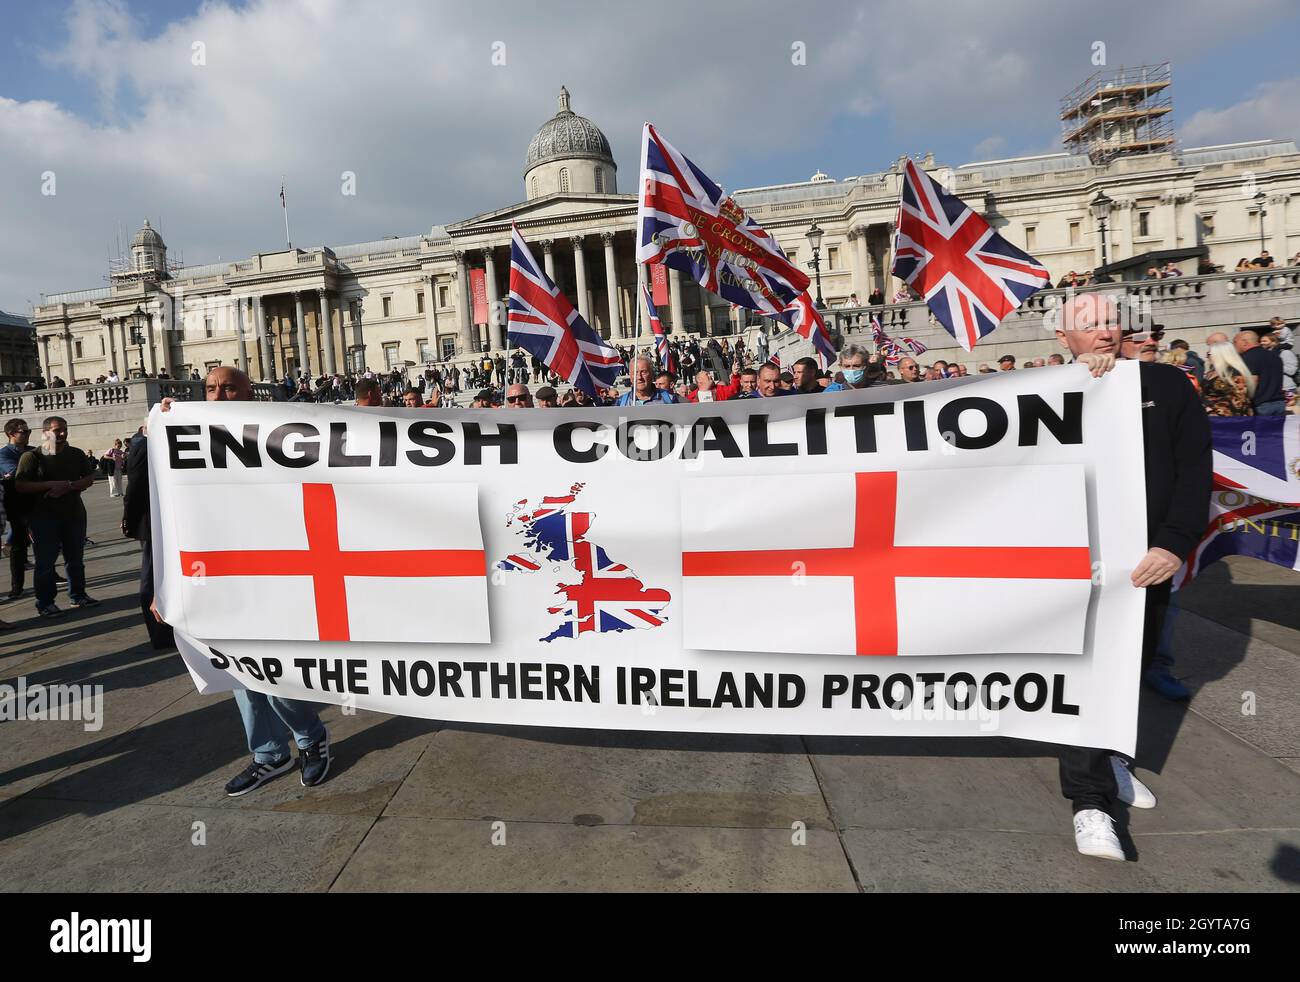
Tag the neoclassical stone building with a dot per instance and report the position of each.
(408, 300)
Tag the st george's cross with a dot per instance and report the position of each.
(970, 276)
(317, 573)
(888, 563)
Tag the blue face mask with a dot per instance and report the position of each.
(854, 375)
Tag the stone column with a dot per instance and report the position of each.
(151, 342)
(68, 365)
(580, 268)
(431, 311)
(165, 336)
(887, 270)
(124, 336)
(1277, 216)
(464, 315)
(304, 363)
(708, 315)
(263, 341)
(611, 285)
(110, 348)
(1169, 221)
(241, 341)
(675, 296)
(1130, 230)
(326, 330)
(45, 359)
(496, 320)
(862, 266)
(343, 328)
(548, 260)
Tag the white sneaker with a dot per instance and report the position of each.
(1094, 835)
(1131, 790)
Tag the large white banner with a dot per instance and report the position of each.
(947, 558)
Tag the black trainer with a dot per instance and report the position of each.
(49, 610)
(83, 600)
(316, 761)
(255, 775)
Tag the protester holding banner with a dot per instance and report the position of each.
(1178, 465)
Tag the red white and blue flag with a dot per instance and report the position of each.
(970, 276)
(544, 323)
(662, 353)
(892, 350)
(807, 320)
(689, 223)
(1255, 507)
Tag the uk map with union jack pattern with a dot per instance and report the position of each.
(607, 595)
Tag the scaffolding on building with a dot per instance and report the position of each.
(1117, 112)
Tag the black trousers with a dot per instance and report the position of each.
(1086, 776)
(161, 636)
(18, 554)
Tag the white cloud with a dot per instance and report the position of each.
(404, 94)
(1272, 110)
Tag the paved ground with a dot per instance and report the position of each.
(416, 805)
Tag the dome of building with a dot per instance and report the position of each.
(148, 236)
(569, 153)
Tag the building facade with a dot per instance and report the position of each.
(396, 301)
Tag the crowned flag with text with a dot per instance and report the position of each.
(970, 276)
(543, 322)
(1255, 503)
(689, 223)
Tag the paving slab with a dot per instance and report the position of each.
(614, 779)
(187, 753)
(141, 847)
(424, 854)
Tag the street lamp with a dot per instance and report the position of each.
(1101, 207)
(1260, 198)
(814, 237)
(137, 336)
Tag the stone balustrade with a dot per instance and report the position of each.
(113, 409)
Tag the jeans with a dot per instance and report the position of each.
(1274, 407)
(49, 535)
(269, 720)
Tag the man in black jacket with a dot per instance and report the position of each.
(1179, 468)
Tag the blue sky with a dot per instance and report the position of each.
(103, 94)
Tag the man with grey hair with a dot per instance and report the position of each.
(856, 370)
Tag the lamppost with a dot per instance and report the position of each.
(1260, 198)
(137, 335)
(1101, 207)
(814, 237)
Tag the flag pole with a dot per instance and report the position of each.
(284, 205)
(640, 316)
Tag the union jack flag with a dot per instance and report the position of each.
(689, 223)
(544, 323)
(969, 275)
(657, 329)
(892, 350)
(808, 321)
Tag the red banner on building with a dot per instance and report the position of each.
(659, 284)
(478, 290)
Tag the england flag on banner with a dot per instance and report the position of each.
(544, 323)
(305, 562)
(969, 275)
(888, 563)
(688, 222)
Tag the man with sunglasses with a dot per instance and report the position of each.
(1178, 465)
(518, 397)
(1142, 345)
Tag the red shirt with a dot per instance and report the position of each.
(721, 393)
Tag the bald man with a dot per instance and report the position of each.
(1266, 366)
(268, 721)
(644, 391)
(1178, 466)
